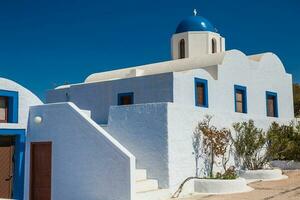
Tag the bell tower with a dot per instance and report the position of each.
(194, 37)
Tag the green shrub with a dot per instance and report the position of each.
(230, 173)
(250, 143)
(296, 92)
(284, 142)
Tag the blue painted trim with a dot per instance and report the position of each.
(243, 89)
(272, 94)
(205, 83)
(19, 160)
(13, 105)
(120, 95)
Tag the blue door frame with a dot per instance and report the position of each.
(19, 160)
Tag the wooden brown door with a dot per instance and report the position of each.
(6, 166)
(41, 153)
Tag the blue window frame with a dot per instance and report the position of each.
(201, 92)
(19, 160)
(13, 105)
(125, 98)
(271, 104)
(240, 99)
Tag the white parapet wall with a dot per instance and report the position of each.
(87, 162)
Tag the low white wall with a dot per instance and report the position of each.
(267, 174)
(286, 164)
(87, 163)
(217, 186)
(142, 129)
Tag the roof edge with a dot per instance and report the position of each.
(158, 68)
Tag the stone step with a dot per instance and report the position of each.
(140, 174)
(146, 185)
(161, 194)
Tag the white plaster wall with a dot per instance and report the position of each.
(175, 44)
(160, 136)
(182, 121)
(142, 129)
(98, 97)
(26, 99)
(197, 43)
(163, 145)
(87, 163)
(258, 77)
(266, 75)
(223, 42)
(130, 124)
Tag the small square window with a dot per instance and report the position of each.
(125, 98)
(240, 98)
(271, 104)
(3, 109)
(201, 93)
(9, 103)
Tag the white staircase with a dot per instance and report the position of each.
(147, 189)
(143, 184)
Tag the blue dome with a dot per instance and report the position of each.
(195, 23)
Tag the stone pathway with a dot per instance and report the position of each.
(288, 189)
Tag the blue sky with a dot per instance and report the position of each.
(47, 43)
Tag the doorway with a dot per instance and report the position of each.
(7, 149)
(40, 173)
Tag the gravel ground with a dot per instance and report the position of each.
(288, 189)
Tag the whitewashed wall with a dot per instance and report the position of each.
(160, 136)
(98, 97)
(26, 99)
(87, 163)
(197, 43)
(267, 75)
(182, 121)
(143, 130)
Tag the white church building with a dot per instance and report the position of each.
(121, 134)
